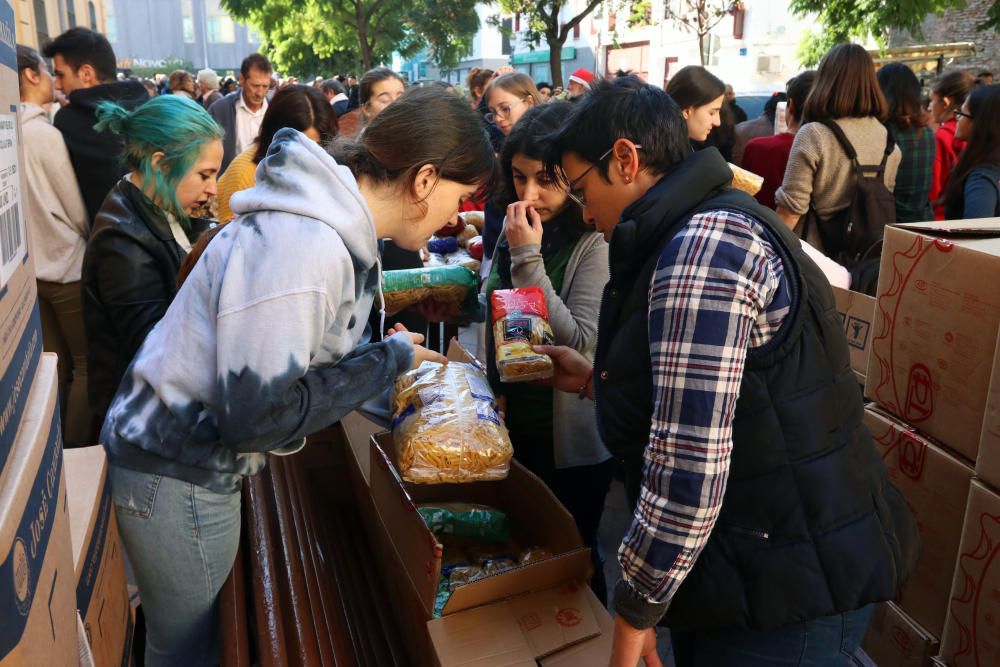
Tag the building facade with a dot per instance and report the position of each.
(959, 25)
(155, 33)
(38, 21)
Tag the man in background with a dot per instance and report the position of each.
(241, 113)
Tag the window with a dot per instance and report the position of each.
(71, 13)
(92, 11)
(221, 30)
(41, 23)
(253, 37)
(506, 48)
(110, 25)
(187, 18)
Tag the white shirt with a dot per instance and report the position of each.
(247, 124)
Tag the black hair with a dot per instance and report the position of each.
(983, 146)
(332, 85)
(299, 107)
(771, 106)
(695, 86)
(27, 58)
(82, 46)
(623, 108)
(798, 88)
(256, 61)
(543, 84)
(902, 93)
(372, 77)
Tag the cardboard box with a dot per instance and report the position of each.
(935, 485)
(972, 632)
(412, 555)
(37, 597)
(101, 589)
(896, 640)
(935, 330)
(857, 310)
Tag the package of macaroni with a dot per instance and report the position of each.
(455, 286)
(446, 427)
(520, 320)
(466, 520)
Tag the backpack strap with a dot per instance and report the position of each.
(842, 139)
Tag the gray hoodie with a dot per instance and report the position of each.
(266, 341)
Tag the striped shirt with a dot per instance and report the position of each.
(718, 291)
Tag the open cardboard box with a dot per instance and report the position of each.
(857, 310)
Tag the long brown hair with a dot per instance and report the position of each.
(424, 126)
(902, 93)
(983, 146)
(845, 87)
(956, 86)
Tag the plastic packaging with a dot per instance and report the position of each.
(466, 520)
(446, 426)
(453, 285)
(520, 320)
(533, 555)
(462, 258)
(747, 181)
(475, 247)
(474, 218)
(467, 235)
(444, 245)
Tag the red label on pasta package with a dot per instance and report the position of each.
(521, 300)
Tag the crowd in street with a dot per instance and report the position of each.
(208, 256)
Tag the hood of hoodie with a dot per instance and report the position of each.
(129, 94)
(300, 178)
(31, 111)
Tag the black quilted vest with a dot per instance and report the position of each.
(810, 525)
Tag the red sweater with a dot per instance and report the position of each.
(767, 157)
(945, 157)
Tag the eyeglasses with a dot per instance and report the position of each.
(962, 114)
(577, 195)
(503, 110)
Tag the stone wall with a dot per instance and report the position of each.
(959, 25)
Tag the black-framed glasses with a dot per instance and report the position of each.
(576, 195)
(962, 114)
(502, 110)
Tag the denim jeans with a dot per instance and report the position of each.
(823, 642)
(181, 540)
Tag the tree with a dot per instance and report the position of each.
(847, 20)
(542, 17)
(700, 17)
(371, 28)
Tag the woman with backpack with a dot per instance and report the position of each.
(974, 185)
(820, 179)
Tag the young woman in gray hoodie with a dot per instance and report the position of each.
(267, 342)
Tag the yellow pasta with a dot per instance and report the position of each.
(446, 427)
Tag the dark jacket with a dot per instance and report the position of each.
(210, 99)
(129, 279)
(96, 156)
(224, 113)
(810, 525)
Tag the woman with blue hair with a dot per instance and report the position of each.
(172, 152)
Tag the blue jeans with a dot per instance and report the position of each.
(181, 540)
(823, 642)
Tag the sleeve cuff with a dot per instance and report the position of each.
(639, 612)
(526, 251)
(402, 351)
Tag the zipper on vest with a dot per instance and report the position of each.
(759, 534)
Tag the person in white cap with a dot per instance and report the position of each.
(209, 82)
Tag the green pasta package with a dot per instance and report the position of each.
(446, 426)
(466, 520)
(455, 286)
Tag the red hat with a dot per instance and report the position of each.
(583, 77)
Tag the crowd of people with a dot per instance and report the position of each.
(209, 264)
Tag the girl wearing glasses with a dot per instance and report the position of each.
(974, 186)
(546, 244)
(508, 98)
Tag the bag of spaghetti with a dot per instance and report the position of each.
(446, 426)
(454, 286)
(520, 320)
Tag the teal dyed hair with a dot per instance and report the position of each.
(171, 124)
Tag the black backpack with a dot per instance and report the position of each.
(853, 237)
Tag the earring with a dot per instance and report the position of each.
(628, 179)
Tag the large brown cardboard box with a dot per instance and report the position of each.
(37, 598)
(101, 589)
(20, 326)
(972, 632)
(412, 555)
(857, 310)
(935, 485)
(896, 640)
(934, 341)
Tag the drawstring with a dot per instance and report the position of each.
(381, 296)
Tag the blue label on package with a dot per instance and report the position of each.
(22, 566)
(8, 41)
(16, 382)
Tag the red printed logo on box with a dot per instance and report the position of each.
(531, 622)
(568, 617)
(978, 591)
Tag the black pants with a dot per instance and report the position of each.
(581, 489)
